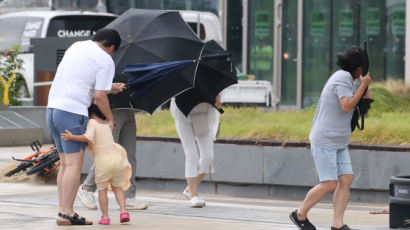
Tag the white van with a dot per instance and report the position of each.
(17, 29)
(208, 24)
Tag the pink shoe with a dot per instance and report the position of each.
(104, 220)
(124, 217)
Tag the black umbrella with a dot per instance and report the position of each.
(363, 106)
(215, 73)
(150, 36)
(365, 60)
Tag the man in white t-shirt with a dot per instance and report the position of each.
(86, 72)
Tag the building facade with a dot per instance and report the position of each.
(294, 43)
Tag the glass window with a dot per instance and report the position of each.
(77, 26)
(75, 4)
(119, 6)
(345, 29)
(234, 31)
(289, 52)
(395, 38)
(260, 42)
(194, 27)
(316, 49)
(373, 30)
(18, 31)
(24, 3)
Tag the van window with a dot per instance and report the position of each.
(18, 31)
(24, 4)
(77, 26)
(193, 26)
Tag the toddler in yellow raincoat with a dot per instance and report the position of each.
(111, 162)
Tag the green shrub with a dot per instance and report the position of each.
(388, 122)
(11, 80)
(386, 101)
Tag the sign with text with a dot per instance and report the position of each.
(317, 24)
(346, 22)
(373, 21)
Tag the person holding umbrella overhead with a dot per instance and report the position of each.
(146, 36)
(197, 118)
(85, 72)
(329, 138)
(197, 131)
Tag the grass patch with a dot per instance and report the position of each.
(388, 122)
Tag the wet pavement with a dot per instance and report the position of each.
(33, 205)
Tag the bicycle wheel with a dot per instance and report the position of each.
(46, 161)
(20, 167)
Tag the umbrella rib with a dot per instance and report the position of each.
(197, 64)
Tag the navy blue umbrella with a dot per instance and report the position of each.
(152, 84)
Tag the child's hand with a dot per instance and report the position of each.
(67, 135)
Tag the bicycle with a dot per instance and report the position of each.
(42, 161)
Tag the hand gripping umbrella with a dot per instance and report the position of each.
(363, 105)
(149, 36)
(215, 73)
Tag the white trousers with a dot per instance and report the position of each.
(196, 162)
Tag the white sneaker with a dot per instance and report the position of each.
(197, 202)
(87, 198)
(133, 204)
(186, 194)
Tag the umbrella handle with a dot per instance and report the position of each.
(221, 110)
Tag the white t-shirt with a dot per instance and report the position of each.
(85, 68)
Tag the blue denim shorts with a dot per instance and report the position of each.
(58, 121)
(331, 163)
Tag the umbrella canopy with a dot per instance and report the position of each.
(150, 85)
(215, 73)
(149, 36)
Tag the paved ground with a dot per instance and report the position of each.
(33, 205)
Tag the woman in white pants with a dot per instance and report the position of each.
(197, 132)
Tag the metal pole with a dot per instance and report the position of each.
(245, 37)
(131, 3)
(223, 18)
(407, 46)
(277, 53)
(299, 69)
